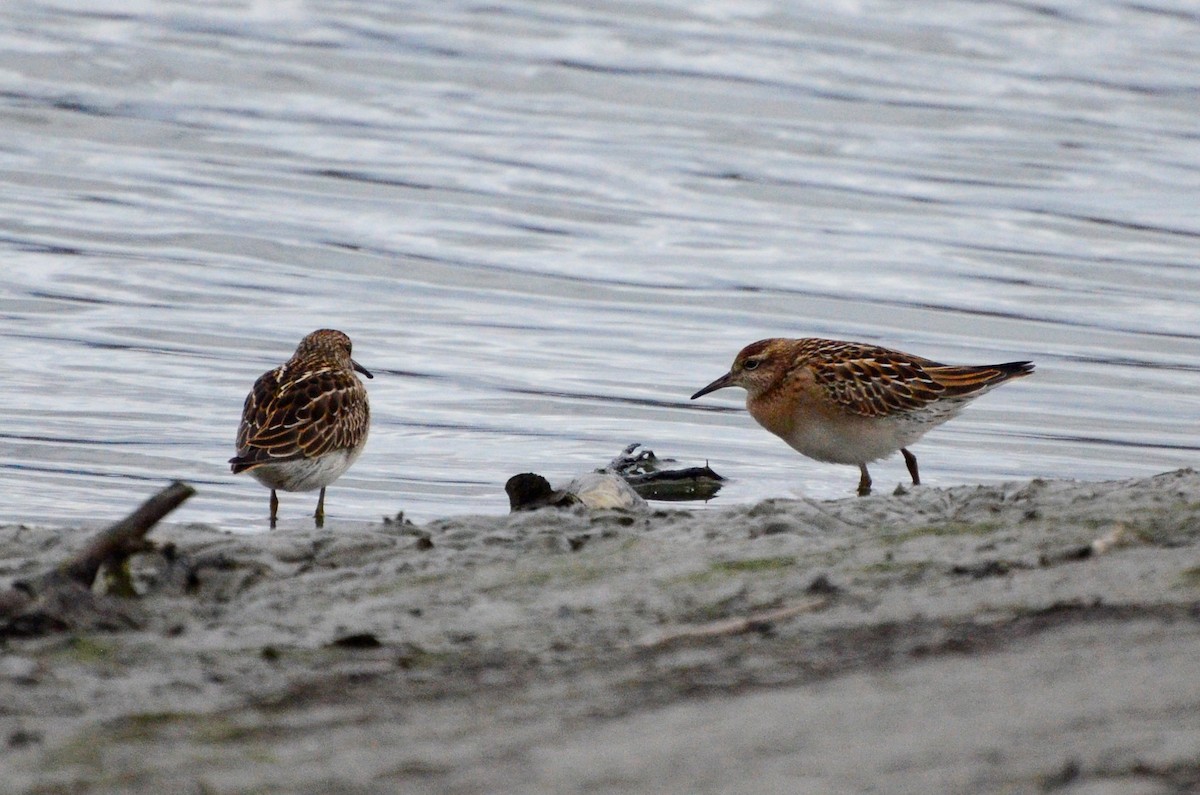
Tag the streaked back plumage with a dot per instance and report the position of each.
(311, 405)
(872, 381)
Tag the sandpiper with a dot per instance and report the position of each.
(305, 422)
(851, 403)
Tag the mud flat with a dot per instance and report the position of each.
(1030, 637)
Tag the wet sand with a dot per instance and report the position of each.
(1030, 637)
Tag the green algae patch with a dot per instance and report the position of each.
(88, 650)
(753, 565)
(1190, 578)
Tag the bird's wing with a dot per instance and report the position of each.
(287, 418)
(875, 382)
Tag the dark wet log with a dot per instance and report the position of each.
(693, 483)
(529, 491)
(645, 472)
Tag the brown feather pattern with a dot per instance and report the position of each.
(876, 382)
(309, 406)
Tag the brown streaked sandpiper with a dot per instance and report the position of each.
(305, 422)
(852, 403)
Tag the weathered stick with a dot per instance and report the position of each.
(113, 544)
(122, 538)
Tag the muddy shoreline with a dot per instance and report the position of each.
(1030, 637)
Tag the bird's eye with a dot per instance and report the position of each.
(751, 364)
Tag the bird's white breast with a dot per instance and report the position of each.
(306, 474)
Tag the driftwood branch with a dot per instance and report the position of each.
(123, 538)
(757, 622)
(72, 580)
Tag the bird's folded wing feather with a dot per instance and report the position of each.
(292, 420)
(876, 382)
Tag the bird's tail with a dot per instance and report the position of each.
(240, 464)
(974, 379)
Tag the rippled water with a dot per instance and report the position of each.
(545, 224)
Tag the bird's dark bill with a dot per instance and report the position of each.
(720, 383)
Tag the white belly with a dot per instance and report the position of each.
(861, 440)
(306, 474)
(844, 445)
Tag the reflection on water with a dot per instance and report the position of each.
(546, 224)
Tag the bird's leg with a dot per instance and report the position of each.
(274, 508)
(319, 516)
(910, 461)
(864, 483)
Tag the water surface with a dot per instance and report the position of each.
(545, 224)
